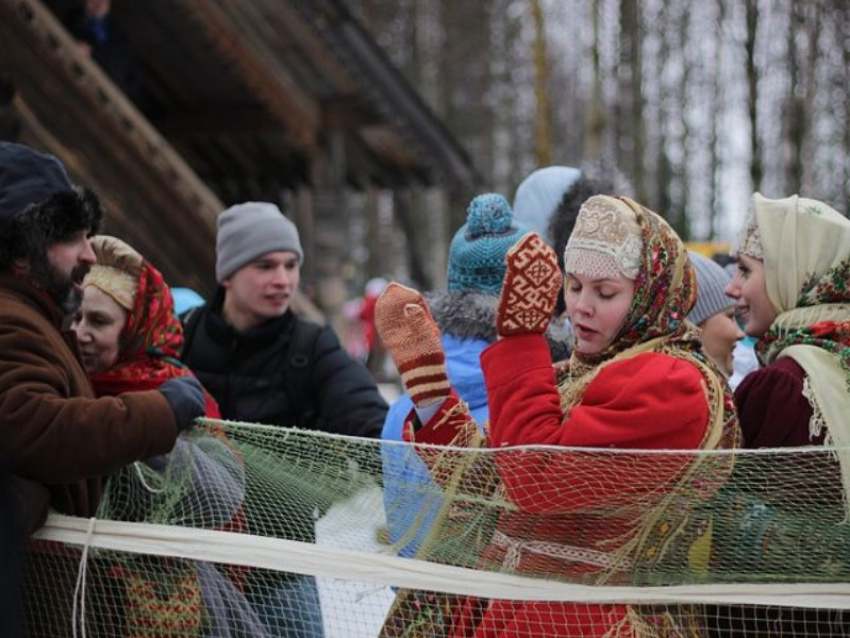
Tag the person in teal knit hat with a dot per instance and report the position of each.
(466, 314)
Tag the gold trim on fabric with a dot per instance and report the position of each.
(118, 284)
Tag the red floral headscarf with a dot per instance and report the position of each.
(150, 341)
(665, 291)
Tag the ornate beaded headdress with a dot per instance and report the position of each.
(606, 241)
(749, 241)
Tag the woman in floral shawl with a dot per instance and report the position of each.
(129, 340)
(127, 331)
(792, 289)
(637, 379)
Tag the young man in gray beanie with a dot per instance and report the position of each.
(264, 364)
(714, 312)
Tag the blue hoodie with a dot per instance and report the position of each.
(411, 498)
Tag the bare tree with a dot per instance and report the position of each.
(803, 25)
(844, 37)
(596, 120)
(542, 120)
(630, 102)
(752, 12)
(716, 113)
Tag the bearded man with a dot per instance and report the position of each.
(56, 439)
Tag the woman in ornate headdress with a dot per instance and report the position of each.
(792, 289)
(637, 379)
(129, 340)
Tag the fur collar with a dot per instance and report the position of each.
(472, 315)
(466, 315)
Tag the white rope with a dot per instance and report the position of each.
(137, 466)
(333, 562)
(80, 586)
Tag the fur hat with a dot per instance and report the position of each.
(250, 230)
(712, 279)
(477, 252)
(539, 194)
(39, 205)
(28, 177)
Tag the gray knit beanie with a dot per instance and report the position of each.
(711, 281)
(250, 230)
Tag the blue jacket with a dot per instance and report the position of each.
(411, 499)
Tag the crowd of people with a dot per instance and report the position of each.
(574, 319)
(98, 373)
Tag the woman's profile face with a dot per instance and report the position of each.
(98, 327)
(749, 290)
(597, 309)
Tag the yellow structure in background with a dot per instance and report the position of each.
(709, 248)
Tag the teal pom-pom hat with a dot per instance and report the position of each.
(477, 252)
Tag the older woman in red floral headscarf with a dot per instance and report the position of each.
(129, 339)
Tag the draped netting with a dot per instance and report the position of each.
(408, 540)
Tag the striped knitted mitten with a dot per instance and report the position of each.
(413, 339)
(530, 288)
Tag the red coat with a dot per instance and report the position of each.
(650, 401)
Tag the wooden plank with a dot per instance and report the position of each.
(270, 82)
(289, 29)
(219, 121)
(151, 193)
(33, 21)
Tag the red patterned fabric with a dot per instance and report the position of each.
(530, 290)
(150, 344)
(665, 292)
(150, 341)
(665, 396)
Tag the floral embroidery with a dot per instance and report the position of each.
(828, 287)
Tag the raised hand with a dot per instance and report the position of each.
(410, 334)
(530, 288)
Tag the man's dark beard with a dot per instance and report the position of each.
(60, 288)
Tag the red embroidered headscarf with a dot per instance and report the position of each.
(152, 336)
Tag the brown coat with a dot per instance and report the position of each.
(52, 429)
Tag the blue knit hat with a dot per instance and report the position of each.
(477, 252)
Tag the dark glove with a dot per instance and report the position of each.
(185, 396)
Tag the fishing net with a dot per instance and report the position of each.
(250, 530)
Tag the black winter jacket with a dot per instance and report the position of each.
(252, 375)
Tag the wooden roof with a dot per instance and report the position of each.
(239, 97)
(63, 103)
(246, 89)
